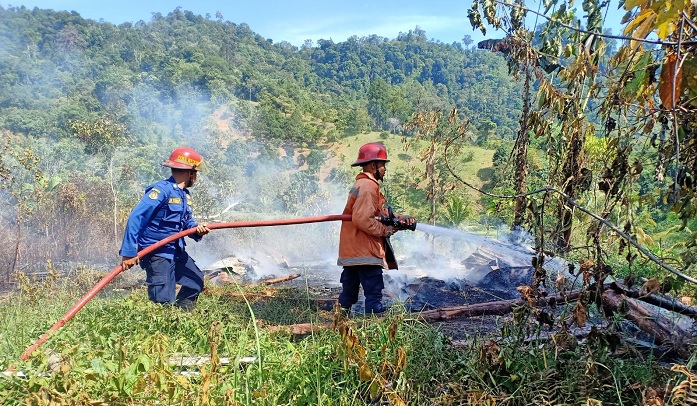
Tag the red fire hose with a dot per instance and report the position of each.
(111, 275)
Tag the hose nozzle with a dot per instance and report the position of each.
(391, 220)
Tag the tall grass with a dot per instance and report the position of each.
(121, 349)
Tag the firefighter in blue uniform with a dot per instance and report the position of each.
(165, 210)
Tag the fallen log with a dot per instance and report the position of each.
(444, 313)
(656, 300)
(664, 331)
(497, 308)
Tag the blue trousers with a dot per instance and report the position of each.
(368, 276)
(163, 274)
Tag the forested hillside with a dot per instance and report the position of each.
(59, 67)
(88, 109)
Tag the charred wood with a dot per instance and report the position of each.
(664, 331)
(493, 308)
(279, 279)
(656, 300)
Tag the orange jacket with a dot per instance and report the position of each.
(362, 240)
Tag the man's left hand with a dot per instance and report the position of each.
(202, 229)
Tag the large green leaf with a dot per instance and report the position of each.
(635, 85)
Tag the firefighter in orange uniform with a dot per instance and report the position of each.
(364, 248)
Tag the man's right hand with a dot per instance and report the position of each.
(128, 262)
(405, 222)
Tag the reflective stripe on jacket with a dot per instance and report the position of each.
(361, 241)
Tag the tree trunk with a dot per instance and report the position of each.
(114, 195)
(521, 163)
(431, 176)
(15, 258)
(569, 180)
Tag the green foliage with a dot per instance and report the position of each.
(439, 132)
(457, 210)
(103, 135)
(302, 187)
(606, 142)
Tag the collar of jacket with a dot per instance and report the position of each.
(367, 175)
(175, 185)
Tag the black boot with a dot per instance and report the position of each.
(378, 310)
(185, 305)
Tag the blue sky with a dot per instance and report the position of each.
(296, 21)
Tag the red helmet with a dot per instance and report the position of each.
(372, 151)
(184, 158)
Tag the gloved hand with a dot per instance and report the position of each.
(399, 222)
(406, 223)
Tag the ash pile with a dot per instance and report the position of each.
(481, 277)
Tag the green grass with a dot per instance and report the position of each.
(476, 171)
(117, 350)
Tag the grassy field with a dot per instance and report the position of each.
(121, 349)
(477, 171)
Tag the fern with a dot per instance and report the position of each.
(685, 393)
(549, 390)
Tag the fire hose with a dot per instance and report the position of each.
(111, 275)
(239, 224)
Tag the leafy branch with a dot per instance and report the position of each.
(582, 31)
(572, 202)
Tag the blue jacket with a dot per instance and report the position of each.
(164, 210)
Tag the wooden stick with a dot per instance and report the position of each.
(279, 279)
(302, 328)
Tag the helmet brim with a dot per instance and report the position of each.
(361, 163)
(179, 165)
